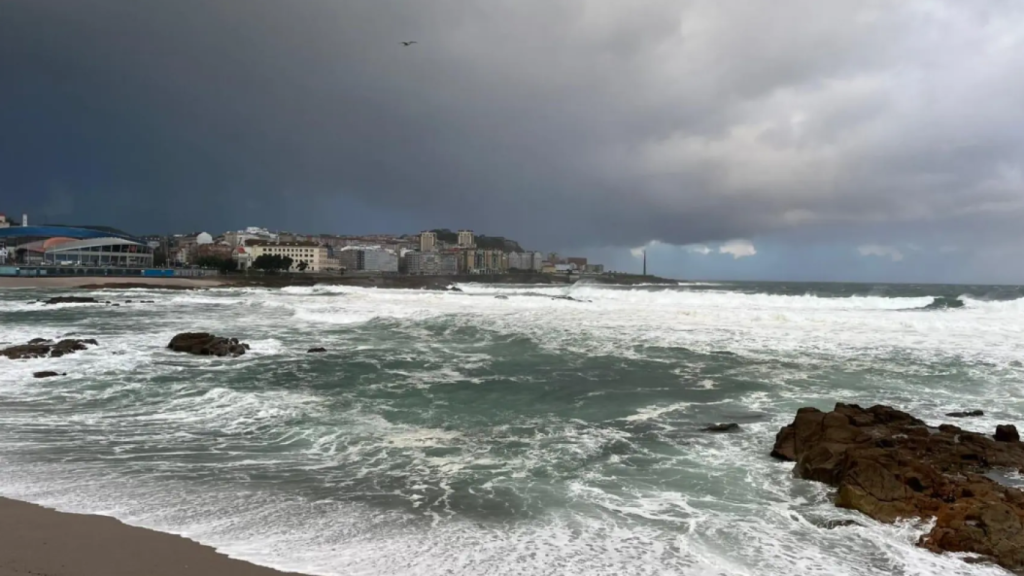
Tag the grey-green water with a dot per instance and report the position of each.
(465, 434)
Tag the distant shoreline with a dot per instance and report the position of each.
(38, 540)
(108, 282)
(286, 280)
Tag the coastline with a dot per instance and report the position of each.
(285, 280)
(45, 542)
(107, 282)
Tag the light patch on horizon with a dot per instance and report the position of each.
(880, 251)
(638, 252)
(701, 249)
(739, 248)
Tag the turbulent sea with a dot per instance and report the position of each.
(467, 433)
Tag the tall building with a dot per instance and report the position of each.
(466, 239)
(428, 241)
(537, 263)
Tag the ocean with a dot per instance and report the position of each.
(498, 430)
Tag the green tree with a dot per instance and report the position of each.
(275, 263)
(302, 265)
(223, 264)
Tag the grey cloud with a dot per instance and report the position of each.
(568, 122)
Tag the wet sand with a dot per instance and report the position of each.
(111, 281)
(38, 541)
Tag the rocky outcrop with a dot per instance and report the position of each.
(71, 300)
(41, 348)
(891, 465)
(1007, 433)
(316, 350)
(206, 344)
(47, 374)
(730, 427)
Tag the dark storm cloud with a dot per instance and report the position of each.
(570, 123)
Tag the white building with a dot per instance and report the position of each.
(314, 255)
(533, 261)
(466, 239)
(204, 238)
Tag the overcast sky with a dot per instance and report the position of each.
(794, 139)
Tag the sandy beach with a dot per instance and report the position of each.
(42, 542)
(110, 281)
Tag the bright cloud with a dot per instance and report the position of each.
(638, 252)
(881, 251)
(698, 249)
(739, 248)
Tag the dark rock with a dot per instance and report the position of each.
(730, 427)
(890, 465)
(569, 298)
(205, 344)
(47, 374)
(966, 414)
(38, 348)
(1007, 433)
(454, 289)
(833, 524)
(71, 300)
(316, 350)
(501, 297)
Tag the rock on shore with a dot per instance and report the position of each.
(206, 344)
(42, 348)
(890, 465)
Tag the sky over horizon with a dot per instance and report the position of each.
(798, 139)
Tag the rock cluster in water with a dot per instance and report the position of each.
(726, 427)
(890, 465)
(43, 348)
(206, 344)
(71, 300)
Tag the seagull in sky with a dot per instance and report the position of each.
(409, 43)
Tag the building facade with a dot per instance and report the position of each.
(367, 259)
(379, 260)
(432, 263)
(466, 239)
(483, 261)
(314, 255)
(428, 241)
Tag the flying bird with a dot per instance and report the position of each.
(409, 43)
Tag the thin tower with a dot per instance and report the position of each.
(645, 262)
